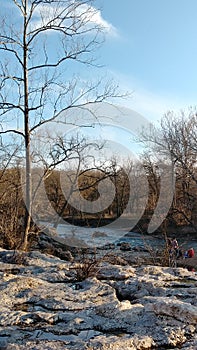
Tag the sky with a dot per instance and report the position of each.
(151, 50)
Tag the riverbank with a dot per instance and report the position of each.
(139, 227)
(133, 247)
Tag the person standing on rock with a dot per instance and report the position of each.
(175, 251)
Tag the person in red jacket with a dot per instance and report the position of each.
(190, 253)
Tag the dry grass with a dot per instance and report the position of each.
(89, 266)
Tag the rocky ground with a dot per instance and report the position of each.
(47, 303)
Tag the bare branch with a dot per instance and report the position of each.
(9, 106)
(5, 48)
(19, 6)
(14, 131)
(5, 39)
(11, 77)
(68, 19)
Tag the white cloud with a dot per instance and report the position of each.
(96, 18)
(151, 105)
(88, 14)
(154, 106)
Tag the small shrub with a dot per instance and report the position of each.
(88, 268)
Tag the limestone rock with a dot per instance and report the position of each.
(43, 306)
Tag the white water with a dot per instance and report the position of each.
(100, 236)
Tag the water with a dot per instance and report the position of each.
(97, 237)
(188, 243)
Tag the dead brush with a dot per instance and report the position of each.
(89, 266)
(159, 256)
(165, 257)
(153, 256)
(85, 269)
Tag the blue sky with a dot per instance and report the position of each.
(151, 49)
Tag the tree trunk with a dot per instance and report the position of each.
(28, 186)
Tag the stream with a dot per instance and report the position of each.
(100, 236)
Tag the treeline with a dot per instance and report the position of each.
(161, 184)
(136, 193)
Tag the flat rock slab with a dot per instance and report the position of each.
(44, 307)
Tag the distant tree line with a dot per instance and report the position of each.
(176, 136)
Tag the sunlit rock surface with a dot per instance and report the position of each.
(45, 304)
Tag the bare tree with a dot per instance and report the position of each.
(177, 137)
(35, 86)
(74, 157)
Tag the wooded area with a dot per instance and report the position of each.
(177, 134)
